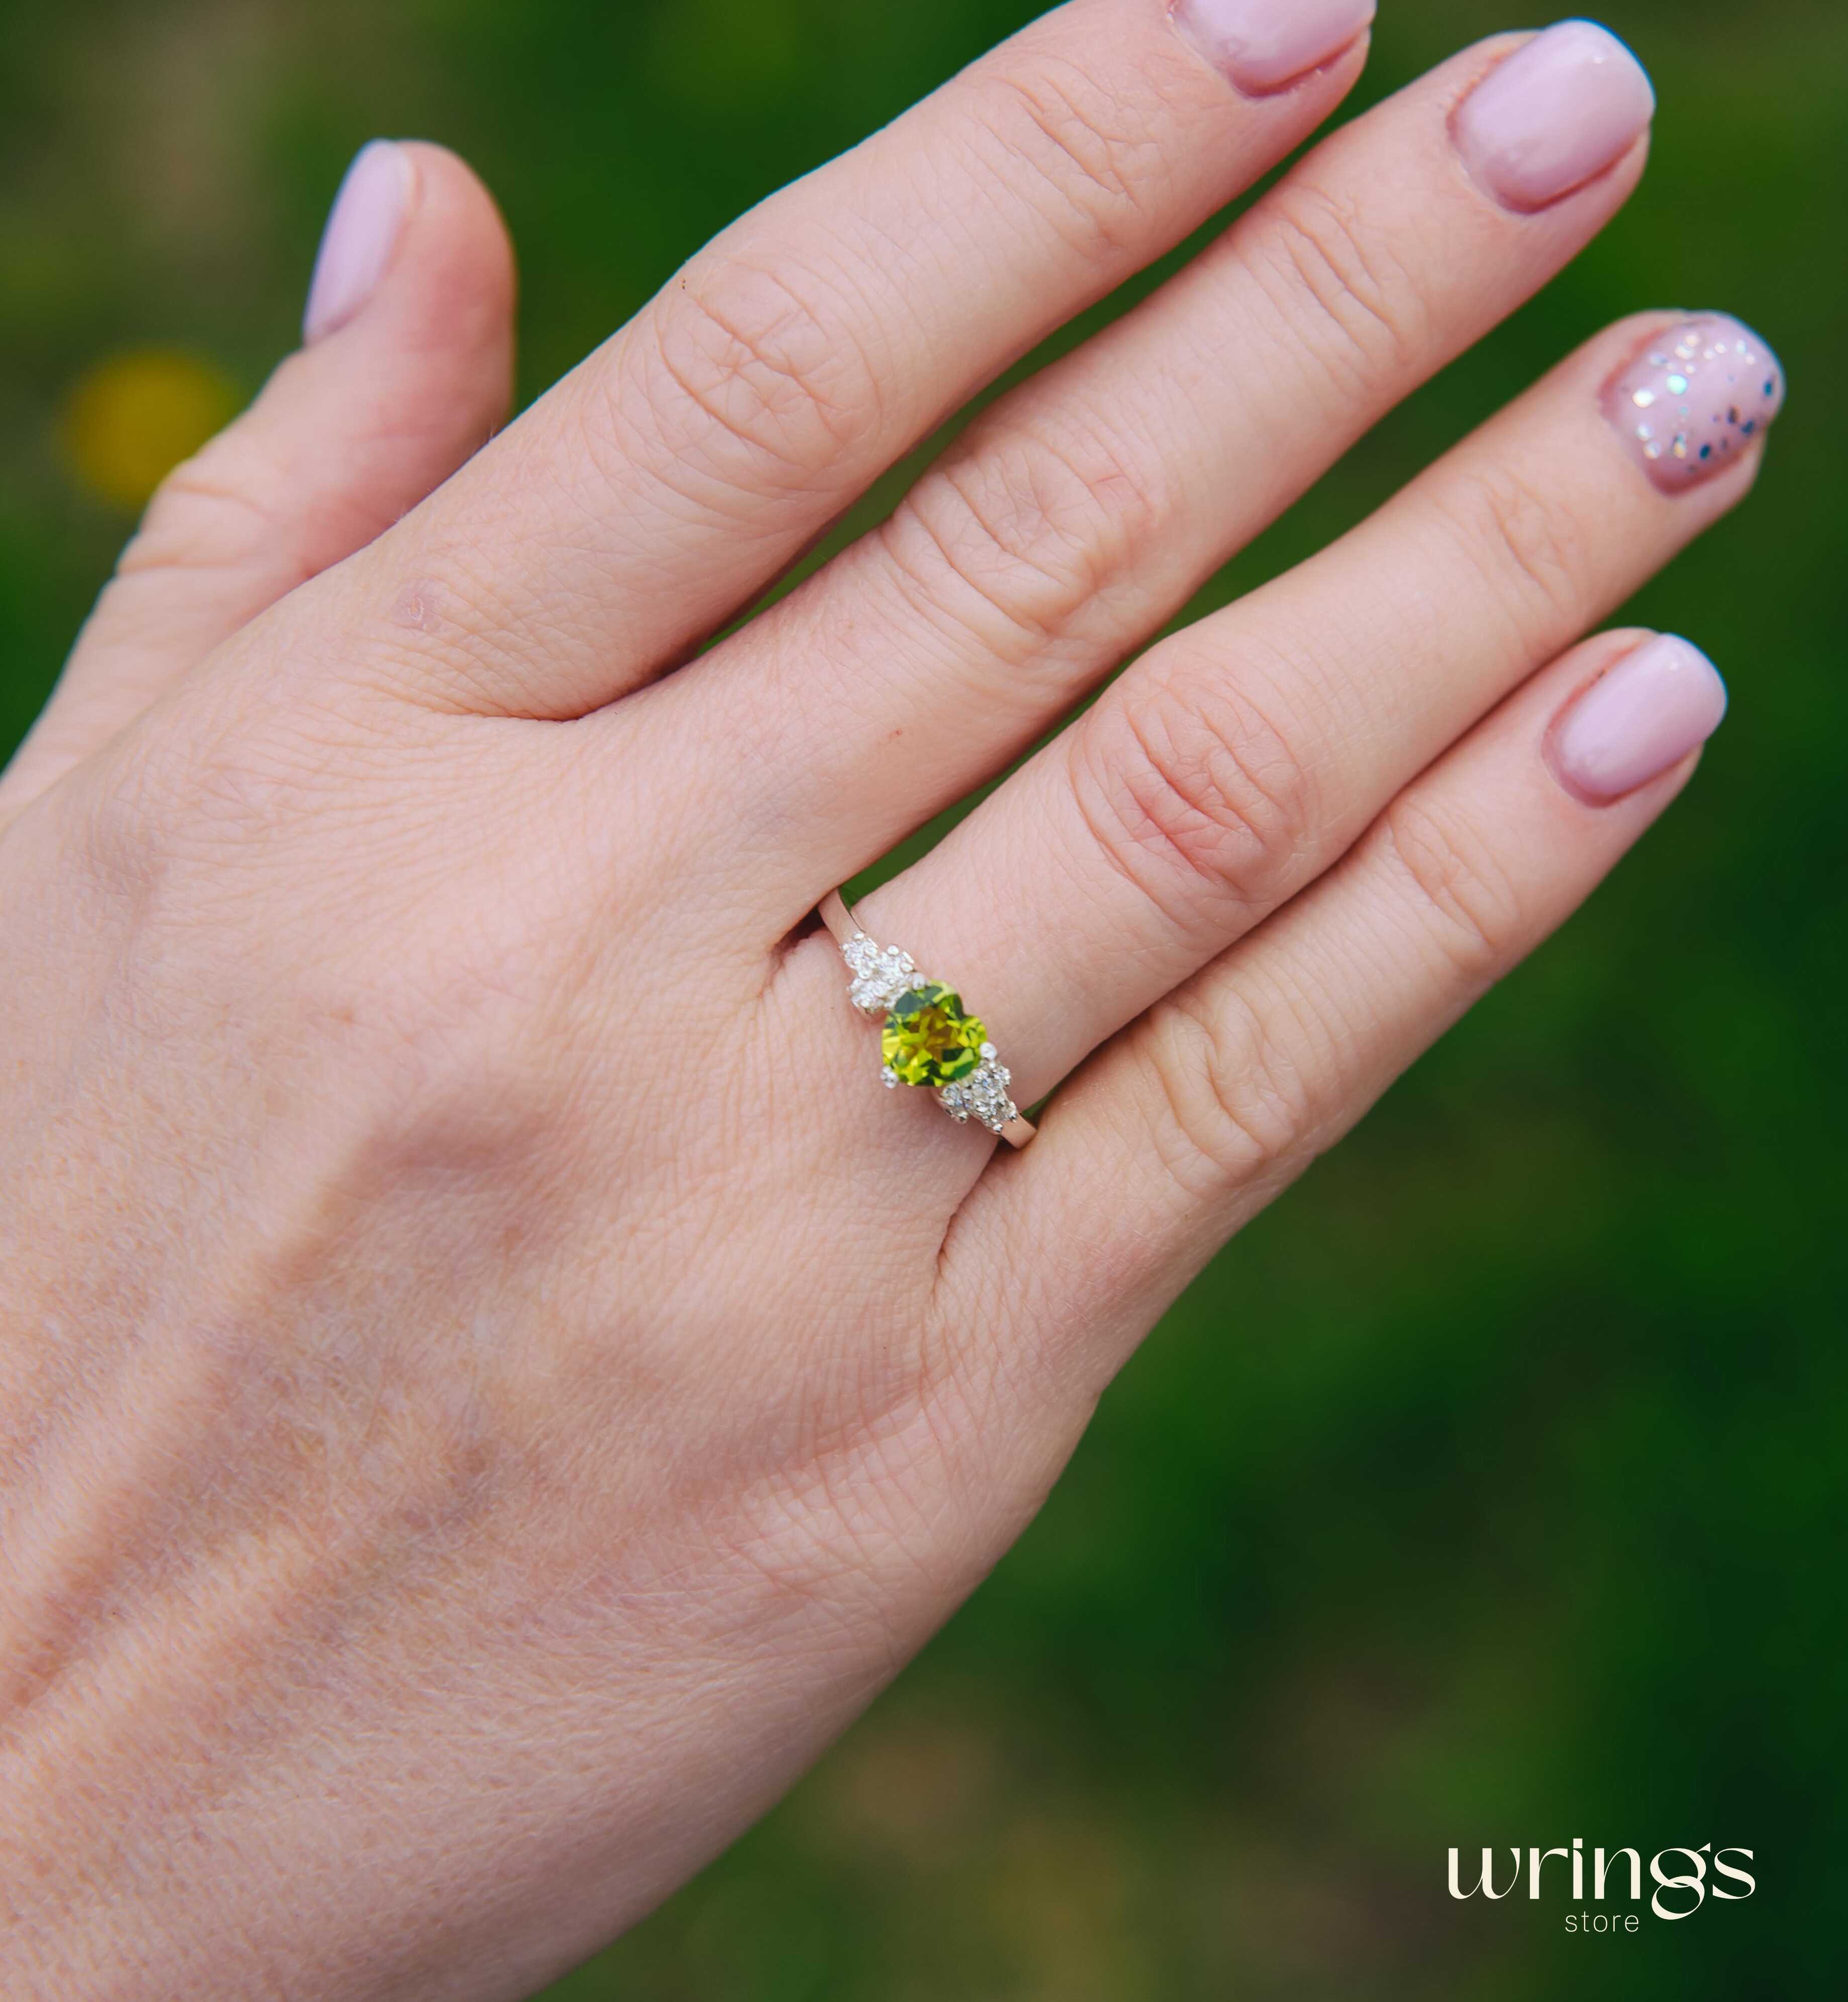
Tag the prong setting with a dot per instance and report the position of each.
(883, 975)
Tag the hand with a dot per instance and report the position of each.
(492, 1383)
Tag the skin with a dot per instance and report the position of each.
(491, 1386)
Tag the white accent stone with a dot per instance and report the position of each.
(982, 1095)
(881, 974)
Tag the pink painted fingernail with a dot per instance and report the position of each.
(1262, 45)
(1554, 115)
(1638, 721)
(362, 232)
(1694, 398)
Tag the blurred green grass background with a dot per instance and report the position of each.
(1491, 1489)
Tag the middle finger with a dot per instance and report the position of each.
(1087, 508)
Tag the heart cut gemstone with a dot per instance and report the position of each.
(928, 1039)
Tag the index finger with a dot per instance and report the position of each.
(672, 475)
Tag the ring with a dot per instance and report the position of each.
(929, 1038)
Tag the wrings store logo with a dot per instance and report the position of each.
(1680, 1891)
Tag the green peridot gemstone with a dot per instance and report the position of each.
(927, 1039)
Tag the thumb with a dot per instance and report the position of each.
(406, 370)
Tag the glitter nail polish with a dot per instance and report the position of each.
(1695, 398)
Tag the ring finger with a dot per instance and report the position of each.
(1241, 759)
(1181, 1131)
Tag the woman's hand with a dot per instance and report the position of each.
(492, 1383)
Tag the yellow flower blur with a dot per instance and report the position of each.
(130, 420)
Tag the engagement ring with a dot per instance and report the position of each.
(928, 1038)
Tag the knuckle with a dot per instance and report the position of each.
(758, 374)
(1062, 130)
(1465, 898)
(1024, 531)
(1531, 547)
(1234, 1099)
(1326, 269)
(209, 514)
(1195, 795)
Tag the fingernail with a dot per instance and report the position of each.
(1638, 721)
(1262, 45)
(361, 233)
(1554, 115)
(1694, 398)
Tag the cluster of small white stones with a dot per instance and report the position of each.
(982, 1095)
(880, 974)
